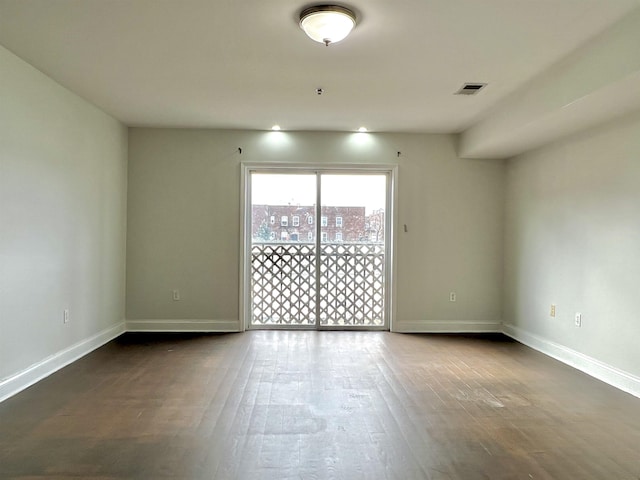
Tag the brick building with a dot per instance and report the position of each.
(297, 223)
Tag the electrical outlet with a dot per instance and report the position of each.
(552, 312)
(66, 315)
(452, 296)
(578, 319)
(176, 295)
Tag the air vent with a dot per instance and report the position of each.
(471, 88)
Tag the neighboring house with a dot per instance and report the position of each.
(297, 223)
(374, 226)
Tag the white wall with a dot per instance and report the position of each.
(573, 239)
(184, 224)
(63, 166)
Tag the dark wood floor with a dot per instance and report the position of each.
(319, 405)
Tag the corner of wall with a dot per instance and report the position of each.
(36, 372)
(611, 375)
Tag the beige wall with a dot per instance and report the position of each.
(184, 223)
(573, 239)
(63, 166)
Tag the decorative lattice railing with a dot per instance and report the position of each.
(283, 284)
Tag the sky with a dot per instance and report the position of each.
(338, 190)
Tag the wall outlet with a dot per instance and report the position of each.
(65, 316)
(176, 295)
(552, 311)
(452, 296)
(578, 319)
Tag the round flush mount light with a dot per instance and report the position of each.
(327, 23)
(276, 128)
(363, 129)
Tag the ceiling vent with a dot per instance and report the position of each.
(471, 88)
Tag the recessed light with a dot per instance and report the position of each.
(276, 128)
(362, 129)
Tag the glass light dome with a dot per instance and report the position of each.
(327, 23)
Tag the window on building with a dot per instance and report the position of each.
(323, 221)
(284, 221)
(324, 236)
(273, 219)
(310, 219)
(272, 236)
(338, 236)
(283, 235)
(295, 220)
(310, 235)
(338, 221)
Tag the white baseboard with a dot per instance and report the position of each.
(600, 370)
(446, 326)
(183, 325)
(36, 372)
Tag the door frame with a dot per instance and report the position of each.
(391, 171)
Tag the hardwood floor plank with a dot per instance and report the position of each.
(319, 405)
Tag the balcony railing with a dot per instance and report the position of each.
(351, 284)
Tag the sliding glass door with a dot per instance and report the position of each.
(318, 250)
(352, 250)
(283, 250)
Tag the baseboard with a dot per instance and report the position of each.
(446, 326)
(36, 372)
(600, 370)
(183, 325)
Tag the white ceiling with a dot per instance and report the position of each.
(246, 63)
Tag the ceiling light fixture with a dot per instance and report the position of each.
(362, 129)
(327, 23)
(276, 128)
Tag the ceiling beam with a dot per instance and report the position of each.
(596, 83)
